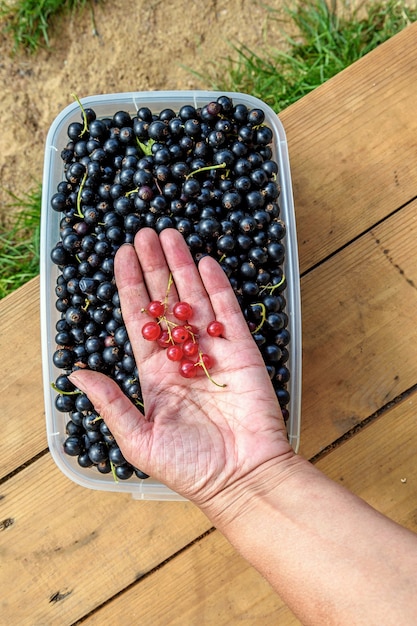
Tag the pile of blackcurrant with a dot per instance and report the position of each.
(208, 172)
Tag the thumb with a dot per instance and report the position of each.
(124, 420)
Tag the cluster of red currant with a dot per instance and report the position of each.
(180, 339)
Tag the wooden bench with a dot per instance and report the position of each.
(71, 555)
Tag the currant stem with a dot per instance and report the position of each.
(206, 169)
(65, 393)
(79, 212)
(170, 283)
(113, 471)
(271, 288)
(158, 186)
(85, 127)
(263, 317)
(170, 324)
(201, 363)
(170, 334)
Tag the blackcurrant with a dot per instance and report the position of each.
(207, 171)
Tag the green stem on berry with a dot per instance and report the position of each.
(85, 127)
(206, 169)
(80, 190)
(201, 364)
(113, 471)
(65, 393)
(169, 285)
(170, 324)
(271, 288)
(263, 316)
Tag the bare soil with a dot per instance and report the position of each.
(123, 45)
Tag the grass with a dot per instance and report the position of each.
(19, 242)
(28, 21)
(328, 39)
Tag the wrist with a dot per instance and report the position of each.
(266, 483)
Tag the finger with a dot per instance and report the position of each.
(223, 300)
(129, 279)
(125, 422)
(186, 276)
(155, 270)
(133, 296)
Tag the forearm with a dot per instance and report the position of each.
(331, 557)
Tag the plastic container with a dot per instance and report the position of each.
(107, 105)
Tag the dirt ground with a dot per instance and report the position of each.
(123, 45)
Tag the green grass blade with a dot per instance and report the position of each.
(28, 21)
(328, 39)
(20, 242)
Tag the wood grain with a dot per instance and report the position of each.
(210, 584)
(379, 463)
(22, 409)
(352, 145)
(359, 330)
(80, 545)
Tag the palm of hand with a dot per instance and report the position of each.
(196, 437)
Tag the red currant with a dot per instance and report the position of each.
(180, 340)
(175, 353)
(207, 360)
(151, 331)
(190, 348)
(192, 330)
(188, 369)
(182, 311)
(164, 339)
(179, 334)
(215, 329)
(156, 308)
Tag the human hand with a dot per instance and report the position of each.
(197, 438)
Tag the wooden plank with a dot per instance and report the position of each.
(351, 147)
(64, 550)
(359, 330)
(210, 584)
(379, 463)
(22, 408)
